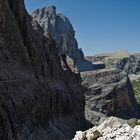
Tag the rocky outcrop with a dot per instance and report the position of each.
(61, 30)
(108, 92)
(39, 100)
(111, 129)
(130, 65)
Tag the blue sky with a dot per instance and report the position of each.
(101, 25)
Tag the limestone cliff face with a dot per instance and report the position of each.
(109, 92)
(58, 26)
(61, 30)
(39, 100)
(130, 65)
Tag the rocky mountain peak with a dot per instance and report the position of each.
(50, 10)
(59, 27)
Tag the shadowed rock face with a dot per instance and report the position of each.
(38, 99)
(109, 92)
(61, 30)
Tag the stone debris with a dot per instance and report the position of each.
(110, 129)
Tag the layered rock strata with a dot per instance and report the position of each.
(39, 99)
(108, 92)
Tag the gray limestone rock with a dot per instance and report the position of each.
(39, 100)
(108, 92)
(130, 65)
(111, 129)
(61, 30)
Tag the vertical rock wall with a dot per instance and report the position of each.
(38, 99)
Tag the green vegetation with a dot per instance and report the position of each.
(135, 124)
(136, 87)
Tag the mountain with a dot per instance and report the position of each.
(98, 85)
(39, 99)
(128, 62)
(61, 30)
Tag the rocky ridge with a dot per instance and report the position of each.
(128, 62)
(130, 65)
(108, 92)
(61, 30)
(111, 129)
(39, 97)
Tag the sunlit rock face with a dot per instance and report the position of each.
(123, 60)
(58, 26)
(61, 30)
(39, 100)
(111, 129)
(131, 65)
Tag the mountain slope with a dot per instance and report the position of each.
(38, 99)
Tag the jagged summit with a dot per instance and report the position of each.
(58, 26)
(61, 30)
(50, 10)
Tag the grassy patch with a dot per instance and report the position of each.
(134, 123)
(136, 87)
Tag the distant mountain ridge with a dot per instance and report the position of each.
(124, 60)
(119, 53)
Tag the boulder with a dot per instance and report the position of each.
(112, 129)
